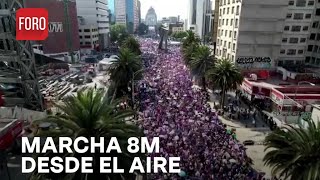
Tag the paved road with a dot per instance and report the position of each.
(14, 167)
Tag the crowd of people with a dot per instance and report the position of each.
(188, 127)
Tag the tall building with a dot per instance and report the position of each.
(126, 13)
(59, 31)
(280, 32)
(111, 5)
(151, 17)
(95, 12)
(139, 11)
(199, 17)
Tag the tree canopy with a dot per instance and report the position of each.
(118, 33)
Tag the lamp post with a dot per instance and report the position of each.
(296, 90)
(132, 85)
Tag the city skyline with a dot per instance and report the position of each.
(165, 8)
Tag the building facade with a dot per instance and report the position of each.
(89, 37)
(127, 13)
(95, 12)
(265, 34)
(199, 17)
(67, 37)
(151, 17)
(111, 6)
(250, 32)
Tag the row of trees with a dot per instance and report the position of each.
(294, 151)
(221, 73)
(95, 113)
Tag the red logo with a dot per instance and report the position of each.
(32, 24)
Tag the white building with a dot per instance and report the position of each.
(120, 12)
(296, 31)
(89, 38)
(199, 17)
(127, 13)
(95, 12)
(251, 30)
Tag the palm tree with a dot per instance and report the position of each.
(123, 68)
(188, 52)
(226, 76)
(295, 151)
(191, 38)
(91, 114)
(201, 61)
(132, 44)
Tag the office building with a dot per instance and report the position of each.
(111, 6)
(62, 40)
(151, 17)
(199, 17)
(127, 13)
(139, 11)
(89, 38)
(95, 13)
(251, 30)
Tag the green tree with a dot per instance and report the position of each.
(295, 152)
(122, 70)
(188, 52)
(142, 29)
(226, 76)
(201, 61)
(190, 39)
(118, 33)
(132, 44)
(179, 35)
(91, 114)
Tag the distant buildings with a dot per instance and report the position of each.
(199, 17)
(127, 13)
(95, 13)
(111, 7)
(151, 17)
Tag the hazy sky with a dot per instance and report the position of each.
(165, 8)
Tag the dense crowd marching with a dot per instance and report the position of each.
(187, 126)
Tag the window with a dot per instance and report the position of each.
(318, 12)
(291, 52)
(312, 36)
(232, 10)
(231, 22)
(298, 16)
(228, 1)
(300, 51)
(307, 16)
(225, 33)
(86, 30)
(230, 34)
(286, 28)
(301, 3)
(80, 37)
(228, 10)
(284, 40)
(222, 22)
(289, 15)
(87, 37)
(235, 34)
(294, 40)
(296, 28)
(87, 43)
(308, 59)
(224, 10)
(305, 28)
(302, 40)
(318, 37)
(229, 45)
(310, 3)
(236, 23)
(291, 3)
(232, 57)
(315, 48)
(310, 47)
(80, 30)
(237, 11)
(227, 22)
(315, 24)
(282, 51)
(233, 46)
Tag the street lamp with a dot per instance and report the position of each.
(132, 85)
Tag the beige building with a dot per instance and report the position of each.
(89, 37)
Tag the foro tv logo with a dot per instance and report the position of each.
(32, 24)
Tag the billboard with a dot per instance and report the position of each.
(57, 40)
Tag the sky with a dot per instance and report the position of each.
(165, 8)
